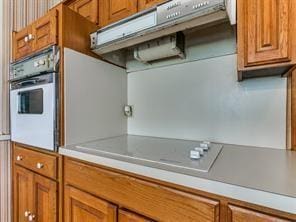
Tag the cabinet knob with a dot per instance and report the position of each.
(31, 37)
(26, 39)
(27, 213)
(19, 158)
(31, 217)
(39, 165)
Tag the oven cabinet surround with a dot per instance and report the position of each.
(103, 194)
(61, 26)
(35, 185)
(266, 31)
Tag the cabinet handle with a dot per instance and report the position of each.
(39, 165)
(26, 39)
(27, 213)
(31, 217)
(19, 158)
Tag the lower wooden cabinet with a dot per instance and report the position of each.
(81, 206)
(35, 197)
(239, 214)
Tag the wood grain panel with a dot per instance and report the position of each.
(151, 200)
(22, 193)
(45, 199)
(81, 206)
(45, 31)
(87, 8)
(239, 214)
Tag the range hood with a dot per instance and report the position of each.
(165, 19)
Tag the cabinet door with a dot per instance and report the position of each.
(114, 10)
(126, 216)
(143, 4)
(265, 26)
(45, 199)
(81, 206)
(238, 214)
(22, 194)
(87, 8)
(45, 31)
(22, 46)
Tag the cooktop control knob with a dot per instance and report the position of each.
(194, 155)
(200, 150)
(205, 145)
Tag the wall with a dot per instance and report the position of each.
(200, 99)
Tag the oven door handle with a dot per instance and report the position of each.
(27, 82)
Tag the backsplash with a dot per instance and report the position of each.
(203, 100)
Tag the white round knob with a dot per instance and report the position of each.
(41, 62)
(19, 158)
(39, 165)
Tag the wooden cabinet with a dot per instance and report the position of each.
(87, 8)
(45, 31)
(21, 44)
(127, 216)
(266, 31)
(114, 10)
(92, 190)
(144, 4)
(35, 197)
(239, 214)
(81, 206)
(155, 201)
(36, 36)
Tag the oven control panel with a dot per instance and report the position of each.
(178, 8)
(42, 63)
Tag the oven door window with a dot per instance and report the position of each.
(31, 102)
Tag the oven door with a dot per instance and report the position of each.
(33, 111)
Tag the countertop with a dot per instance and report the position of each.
(261, 176)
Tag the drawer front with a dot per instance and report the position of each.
(239, 214)
(151, 200)
(41, 163)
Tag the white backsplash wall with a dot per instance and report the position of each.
(202, 100)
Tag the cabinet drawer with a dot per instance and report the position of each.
(151, 200)
(41, 163)
(239, 214)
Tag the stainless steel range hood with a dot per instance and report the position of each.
(165, 19)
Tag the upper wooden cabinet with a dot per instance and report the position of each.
(87, 8)
(36, 36)
(45, 30)
(61, 26)
(144, 4)
(266, 30)
(114, 10)
(81, 206)
(239, 214)
(21, 43)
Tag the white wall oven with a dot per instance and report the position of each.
(34, 100)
